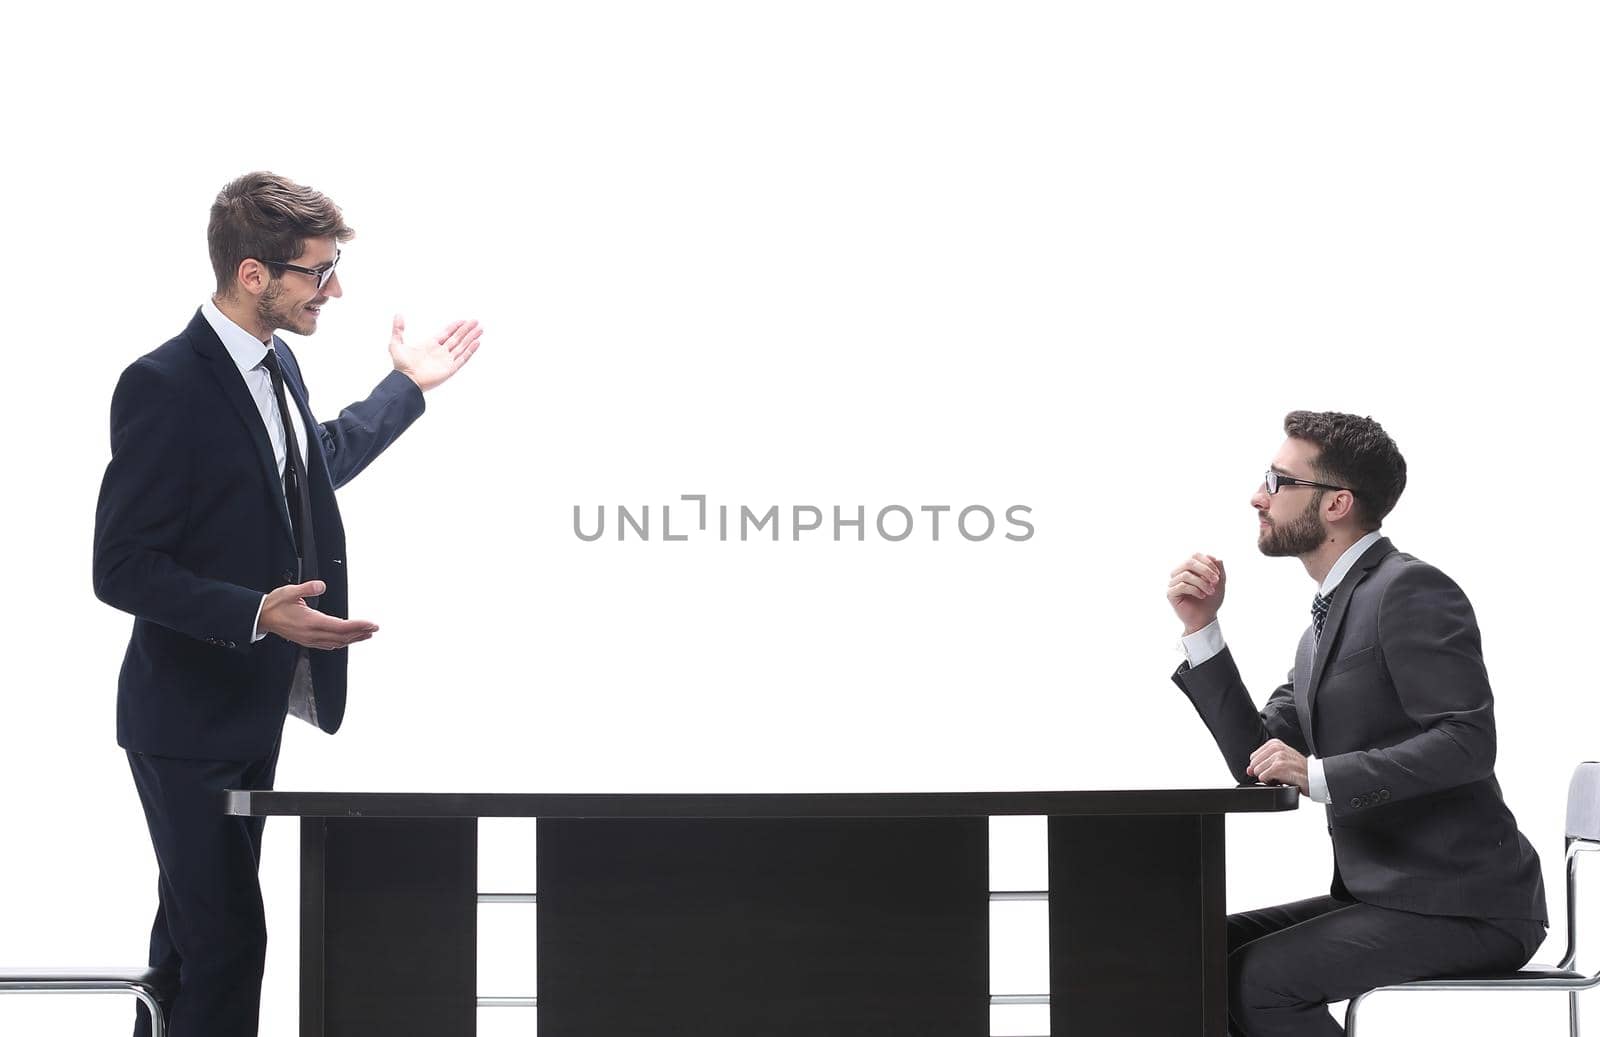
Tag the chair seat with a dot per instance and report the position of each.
(1532, 974)
(1535, 971)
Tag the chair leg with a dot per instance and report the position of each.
(158, 1018)
(1572, 1012)
(1350, 1014)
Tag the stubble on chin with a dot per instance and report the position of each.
(274, 318)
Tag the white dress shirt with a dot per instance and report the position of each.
(1207, 642)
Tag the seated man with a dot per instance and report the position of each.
(1388, 719)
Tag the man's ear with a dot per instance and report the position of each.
(1340, 505)
(252, 277)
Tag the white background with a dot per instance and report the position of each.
(1079, 257)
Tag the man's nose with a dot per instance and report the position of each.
(332, 287)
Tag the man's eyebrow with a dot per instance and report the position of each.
(1280, 470)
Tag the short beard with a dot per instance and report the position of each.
(274, 317)
(1304, 534)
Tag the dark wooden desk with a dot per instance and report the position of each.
(778, 915)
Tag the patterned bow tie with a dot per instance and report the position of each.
(1319, 612)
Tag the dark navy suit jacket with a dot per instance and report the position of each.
(192, 529)
(1395, 701)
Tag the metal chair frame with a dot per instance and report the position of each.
(1582, 815)
(140, 983)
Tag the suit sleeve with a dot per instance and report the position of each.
(364, 430)
(1428, 637)
(141, 515)
(1219, 696)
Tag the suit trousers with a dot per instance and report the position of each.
(1286, 963)
(210, 931)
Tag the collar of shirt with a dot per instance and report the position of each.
(1347, 561)
(246, 350)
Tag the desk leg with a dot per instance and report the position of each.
(1138, 941)
(388, 927)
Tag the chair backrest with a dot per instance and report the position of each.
(1583, 803)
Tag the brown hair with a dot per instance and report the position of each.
(1355, 453)
(268, 217)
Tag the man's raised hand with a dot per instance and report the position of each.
(1196, 589)
(430, 361)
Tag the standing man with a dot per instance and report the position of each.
(1386, 718)
(218, 530)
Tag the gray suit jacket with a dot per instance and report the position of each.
(1395, 701)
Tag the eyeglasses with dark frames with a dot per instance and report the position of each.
(323, 274)
(1276, 482)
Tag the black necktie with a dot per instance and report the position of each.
(1319, 612)
(295, 484)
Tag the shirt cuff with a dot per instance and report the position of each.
(1203, 643)
(256, 633)
(1316, 780)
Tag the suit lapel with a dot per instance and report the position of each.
(1336, 610)
(1303, 661)
(226, 372)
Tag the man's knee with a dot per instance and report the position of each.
(226, 943)
(1262, 983)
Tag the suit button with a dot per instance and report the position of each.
(1383, 794)
(1355, 804)
(288, 576)
(232, 645)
